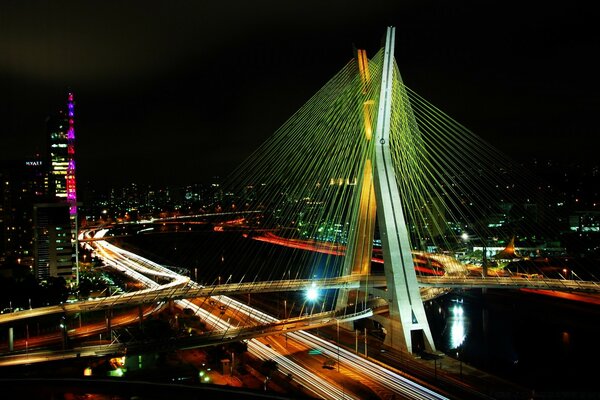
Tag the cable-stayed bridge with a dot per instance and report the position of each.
(181, 287)
(365, 158)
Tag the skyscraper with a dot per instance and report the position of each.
(50, 220)
(61, 155)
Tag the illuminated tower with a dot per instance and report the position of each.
(379, 196)
(71, 192)
(61, 161)
(70, 178)
(61, 154)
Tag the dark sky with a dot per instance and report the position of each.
(178, 91)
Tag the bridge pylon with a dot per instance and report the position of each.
(407, 326)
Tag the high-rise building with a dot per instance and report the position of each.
(52, 241)
(61, 154)
(62, 192)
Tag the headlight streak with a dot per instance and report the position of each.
(133, 266)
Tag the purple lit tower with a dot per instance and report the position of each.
(71, 188)
(58, 214)
(70, 178)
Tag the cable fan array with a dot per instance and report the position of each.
(299, 193)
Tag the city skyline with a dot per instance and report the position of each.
(369, 216)
(178, 93)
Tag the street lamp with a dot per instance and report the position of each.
(312, 293)
(26, 338)
(459, 356)
(338, 343)
(465, 236)
(63, 328)
(285, 317)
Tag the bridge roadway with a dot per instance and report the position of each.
(182, 288)
(205, 339)
(501, 282)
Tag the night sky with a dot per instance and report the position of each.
(179, 91)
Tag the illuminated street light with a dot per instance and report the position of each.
(312, 294)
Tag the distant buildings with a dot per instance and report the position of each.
(22, 184)
(137, 202)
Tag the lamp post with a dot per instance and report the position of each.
(27, 339)
(338, 343)
(232, 362)
(459, 356)
(285, 318)
(366, 354)
(466, 238)
(63, 329)
(484, 261)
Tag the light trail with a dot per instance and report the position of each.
(310, 380)
(389, 379)
(386, 378)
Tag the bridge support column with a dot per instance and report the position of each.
(394, 335)
(141, 315)
(108, 317)
(404, 297)
(11, 339)
(360, 242)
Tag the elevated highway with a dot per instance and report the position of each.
(180, 287)
(498, 282)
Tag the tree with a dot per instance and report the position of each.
(240, 349)
(156, 329)
(269, 367)
(56, 290)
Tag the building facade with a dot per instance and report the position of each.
(53, 248)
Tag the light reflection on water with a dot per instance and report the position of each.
(457, 326)
(454, 323)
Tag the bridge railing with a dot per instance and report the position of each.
(512, 283)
